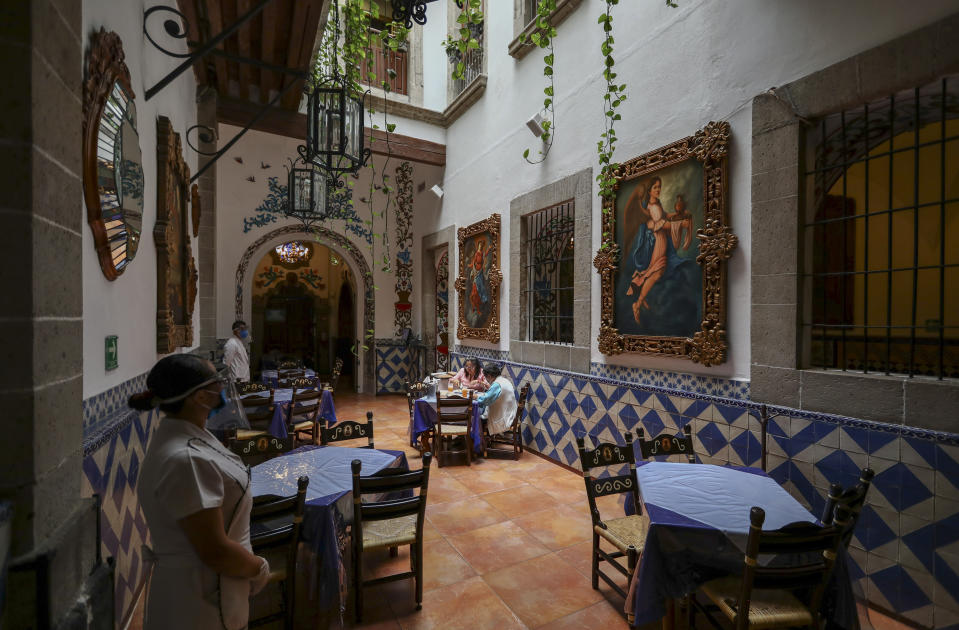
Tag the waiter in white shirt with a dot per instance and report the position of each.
(234, 352)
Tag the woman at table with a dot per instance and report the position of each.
(196, 498)
(499, 402)
(471, 376)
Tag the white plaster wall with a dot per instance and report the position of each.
(434, 57)
(126, 307)
(683, 67)
(238, 198)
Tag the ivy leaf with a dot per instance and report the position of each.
(526, 153)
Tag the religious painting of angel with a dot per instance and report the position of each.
(479, 279)
(666, 240)
(659, 284)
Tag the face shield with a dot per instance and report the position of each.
(232, 414)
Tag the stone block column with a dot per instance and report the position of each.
(206, 115)
(54, 536)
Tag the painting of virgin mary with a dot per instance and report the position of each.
(478, 309)
(658, 290)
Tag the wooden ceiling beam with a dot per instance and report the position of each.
(297, 28)
(194, 34)
(267, 43)
(290, 124)
(216, 27)
(245, 49)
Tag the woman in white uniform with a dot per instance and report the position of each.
(196, 498)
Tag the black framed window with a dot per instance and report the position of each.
(881, 289)
(547, 299)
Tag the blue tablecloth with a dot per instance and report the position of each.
(282, 398)
(424, 419)
(270, 378)
(329, 509)
(698, 525)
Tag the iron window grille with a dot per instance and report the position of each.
(881, 288)
(548, 267)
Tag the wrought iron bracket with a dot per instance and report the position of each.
(173, 29)
(203, 129)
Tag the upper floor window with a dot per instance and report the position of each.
(387, 65)
(881, 290)
(549, 268)
(472, 59)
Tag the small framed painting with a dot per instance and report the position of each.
(479, 280)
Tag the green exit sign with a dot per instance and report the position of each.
(112, 357)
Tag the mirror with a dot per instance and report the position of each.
(112, 164)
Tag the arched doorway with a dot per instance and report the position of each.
(345, 341)
(351, 258)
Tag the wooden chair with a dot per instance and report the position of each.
(454, 421)
(288, 374)
(335, 375)
(627, 533)
(766, 597)
(305, 405)
(852, 499)
(289, 364)
(388, 523)
(259, 418)
(512, 437)
(347, 430)
(244, 389)
(665, 445)
(258, 449)
(275, 526)
(414, 391)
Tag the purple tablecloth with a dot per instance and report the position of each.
(424, 419)
(698, 526)
(329, 509)
(281, 411)
(270, 378)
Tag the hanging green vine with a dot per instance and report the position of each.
(470, 20)
(613, 97)
(543, 37)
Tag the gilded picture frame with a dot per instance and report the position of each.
(662, 261)
(176, 268)
(479, 280)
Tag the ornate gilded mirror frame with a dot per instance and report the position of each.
(176, 269)
(479, 260)
(709, 147)
(195, 210)
(112, 161)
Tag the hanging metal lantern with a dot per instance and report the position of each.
(313, 195)
(307, 192)
(334, 128)
(409, 11)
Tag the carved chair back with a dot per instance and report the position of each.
(611, 457)
(664, 445)
(347, 430)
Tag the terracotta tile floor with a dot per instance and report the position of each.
(508, 545)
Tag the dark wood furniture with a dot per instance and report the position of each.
(389, 523)
(414, 391)
(769, 596)
(275, 525)
(512, 437)
(347, 430)
(302, 419)
(246, 388)
(665, 445)
(627, 534)
(260, 448)
(852, 499)
(454, 423)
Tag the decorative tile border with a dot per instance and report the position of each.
(904, 551)
(403, 314)
(106, 409)
(728, 388)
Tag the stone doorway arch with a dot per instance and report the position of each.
(349, 253)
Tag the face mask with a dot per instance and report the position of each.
(244, 334)
(215, 409)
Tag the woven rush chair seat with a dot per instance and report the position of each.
(454, 429)
(248, 434)
(389, 533)
(625, 531)
(305, 425)
(767, 608)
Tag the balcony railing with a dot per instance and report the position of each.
(383, 62)
(472, 61)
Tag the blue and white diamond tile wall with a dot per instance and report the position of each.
(101, 409)
(112, 471)
(905, 553)
(392, 368)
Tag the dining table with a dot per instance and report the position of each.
(271, 378)
(697, 531)
(321, 592)
(282, 399)
(424, 419)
